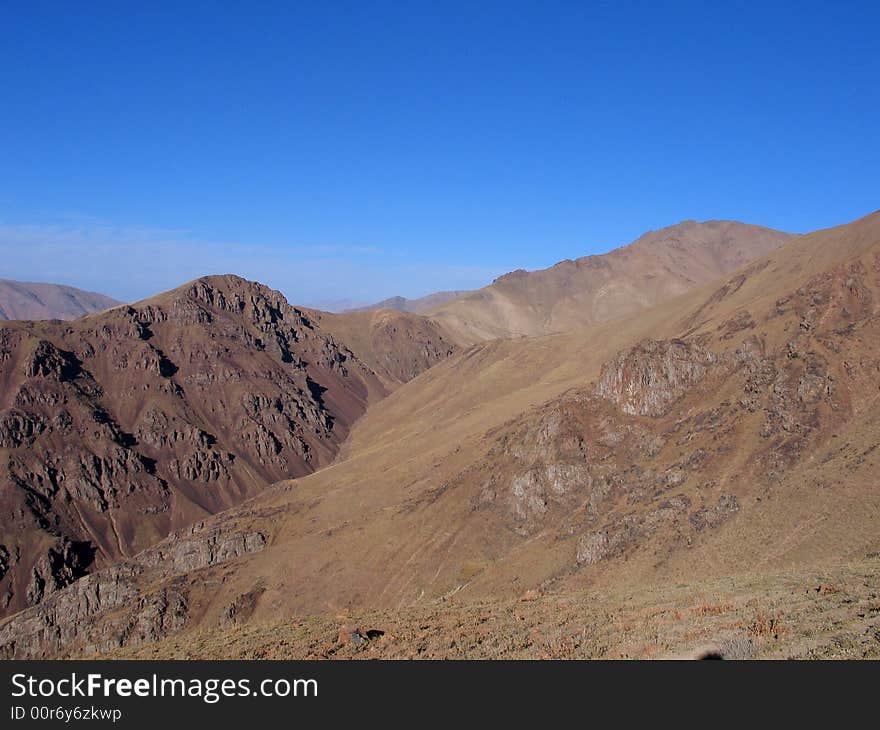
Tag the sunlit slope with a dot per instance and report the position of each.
(730, 428)
(658, 266)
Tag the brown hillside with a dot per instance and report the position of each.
(658, 266)
(397, 345)
(732, 429)
(121, 427)
(414, 306)
(30, 300)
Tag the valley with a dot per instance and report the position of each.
(717, 437)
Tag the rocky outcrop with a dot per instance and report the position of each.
(644, 455)
(5, 561)
(629, 530)
(67, 615)
(243, 606)
(647, 379)
(397, 345)
(117, 429)
(134, 601)
(19, 429)
(193, 549)
(47, 361)
(573, 463)
(60, 566)
(708, 517)
(407, 346)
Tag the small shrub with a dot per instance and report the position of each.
(711, 609)
(767, 626)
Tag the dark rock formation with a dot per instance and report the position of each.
(120, 428)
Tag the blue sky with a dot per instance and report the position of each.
(359, 150)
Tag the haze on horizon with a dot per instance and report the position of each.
(337, 154)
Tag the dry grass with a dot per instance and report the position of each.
(711, 609)
(775, 615)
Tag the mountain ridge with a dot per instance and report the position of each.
(125, 425)
(734, 425)
(419, 305)
(574, 293)
(24, 300)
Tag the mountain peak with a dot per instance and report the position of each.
(658, 265)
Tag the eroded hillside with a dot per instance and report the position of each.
(124, 426)
(573, 294)
(733, 428)
(397, 345)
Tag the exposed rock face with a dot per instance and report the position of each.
(406, 348)
(5, 561)
(572, 463)
(646, 379)
(397, 345)
(726, 506)
(591, 458)
(194, 550)
(644, 455)
(242, 608)
(629, 530)
(60, 566)
(115, 607)
(121, 427)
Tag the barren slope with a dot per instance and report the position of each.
(397, 345)
(30, 300)
(732, 429)
(824, 612)
(415, 306)
(658, 266)
(125, 425)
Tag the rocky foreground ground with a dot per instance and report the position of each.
(822, 613)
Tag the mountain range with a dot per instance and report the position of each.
(681, 434)
(573, 294)
(416, 306)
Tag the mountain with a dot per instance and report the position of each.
(337, 305)
(415, 306)
(397, 345)
(712, 441)
(123, 426)
(28, 300)
(593, 289)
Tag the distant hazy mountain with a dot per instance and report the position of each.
(416, 306)
(337, 305)
(29, 300)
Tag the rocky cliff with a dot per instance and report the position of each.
(124, 426)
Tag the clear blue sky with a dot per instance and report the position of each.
(364, 149)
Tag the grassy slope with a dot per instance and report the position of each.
(389, 530)
(378, 528)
